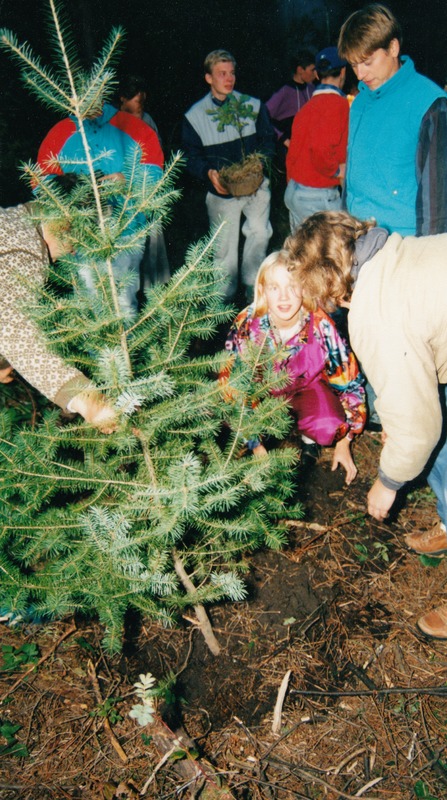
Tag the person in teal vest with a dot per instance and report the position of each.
(396, 170)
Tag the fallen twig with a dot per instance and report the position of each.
(106, 724)
(436, 691)
(342, 764)
(276, 725)
(368, 786)
(162, 761)
(324, 528)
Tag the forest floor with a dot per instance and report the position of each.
(331, 618)
(365, 709)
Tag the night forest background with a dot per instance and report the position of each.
(166, 41)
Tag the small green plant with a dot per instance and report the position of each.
(403, 706)
(108, 710)
(12, 746)
(382, 551)
(421, 790)
(361, 552)
(145, 690)
(236, 111)
(430, 561)
(148, 693)
(15, 657)
(82, 642)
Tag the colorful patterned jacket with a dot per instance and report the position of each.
(341, 368)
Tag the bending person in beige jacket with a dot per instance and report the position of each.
(396, 289)
(24, 258)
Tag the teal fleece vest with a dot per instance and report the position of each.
(383, 140)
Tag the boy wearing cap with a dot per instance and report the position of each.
(397, 165)
(317, 153)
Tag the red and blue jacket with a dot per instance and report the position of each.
(111, 137)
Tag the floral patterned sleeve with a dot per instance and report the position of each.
(342, 371)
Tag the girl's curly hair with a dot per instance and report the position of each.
(321, 253)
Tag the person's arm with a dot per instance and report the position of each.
(197, 164)
(344, 375)
(24, 346)
(274, 107)
(23, 266)
(329, 141)
(431, 171)
(343, 458)
(398, 352)
(293, 152)
(52, 145)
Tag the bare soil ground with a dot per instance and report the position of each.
(364, 714)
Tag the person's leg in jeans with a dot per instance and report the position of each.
(257, 231)
(226, 247)
(437, 477)
(434, 542)
(154, 266)
(302, 201)
(126, 267)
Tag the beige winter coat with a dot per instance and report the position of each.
(398, 330)
(23, 266)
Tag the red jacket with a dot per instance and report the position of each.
(319, 139)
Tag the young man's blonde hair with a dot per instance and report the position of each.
(321, 254)
(215, 57)
(280, 258)
(369, 29)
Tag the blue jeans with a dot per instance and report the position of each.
(302, 201)
(256, 229)
(437, 477)
(126, 267)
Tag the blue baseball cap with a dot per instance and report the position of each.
(329, 59)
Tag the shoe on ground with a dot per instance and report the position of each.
(310, 453)
(434, 624)
(429, 543)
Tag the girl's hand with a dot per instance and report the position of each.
(343, 457)
(380, 500)
(259, 451)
